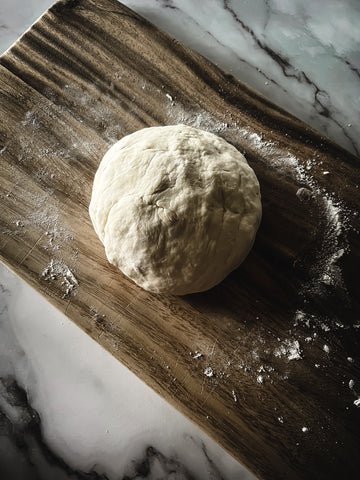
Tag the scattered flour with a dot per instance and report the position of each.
(209, 372)
(96, 316)
(46, 213)
(352, 388)
(195, 118)
(326, 270)
(58, 270)
(289, 349)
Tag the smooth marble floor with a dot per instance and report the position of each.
(67, 408)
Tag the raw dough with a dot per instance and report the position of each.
(176, 208)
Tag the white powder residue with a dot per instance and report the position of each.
(209, 372)
(301, 317)
(197, 119)
(289, 349)
(102, 109)
(56, 230)
(333, 213)
(58, 270)
(326, 270)
(254, 138)
(98, 317)
(46, 223)
(352, 388)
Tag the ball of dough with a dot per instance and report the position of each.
(176, 208)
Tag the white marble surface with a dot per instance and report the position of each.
(90, 413)
(62, 413)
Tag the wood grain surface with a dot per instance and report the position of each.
(281, 333)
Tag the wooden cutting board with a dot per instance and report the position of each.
(267, 363)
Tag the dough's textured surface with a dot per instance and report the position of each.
(176, 208)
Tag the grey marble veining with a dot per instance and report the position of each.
(62, 415)
(68, 409)
(303, 55)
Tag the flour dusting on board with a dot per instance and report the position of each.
(262, 364)
(289, 349)
(58, 270)
(326, 270)
(45, 226)
(195, 118)
(257, 361)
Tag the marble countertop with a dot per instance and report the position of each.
(63, 414)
